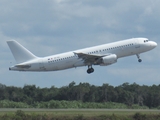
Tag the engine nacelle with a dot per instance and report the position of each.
(108, 60)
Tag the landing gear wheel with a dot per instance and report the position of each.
(139, 60)
(90, 70)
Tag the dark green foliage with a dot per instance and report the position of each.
(139, 116)
(79, 117)
(12, 104)
(132, 95)
(79, 104)
(21, 115)
(102, 117)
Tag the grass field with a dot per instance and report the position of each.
(84, 112)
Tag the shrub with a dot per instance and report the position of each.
(138, 116)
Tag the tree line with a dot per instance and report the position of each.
(126, 93)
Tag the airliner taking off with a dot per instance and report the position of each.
(102, 55)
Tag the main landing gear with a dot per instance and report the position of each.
(139, 60)
(90, 69)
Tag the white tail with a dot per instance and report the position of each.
(20, 53)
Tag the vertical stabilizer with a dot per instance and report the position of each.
(20, 53)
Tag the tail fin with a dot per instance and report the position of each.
(20, 53)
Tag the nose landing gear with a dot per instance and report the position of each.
(139, 60)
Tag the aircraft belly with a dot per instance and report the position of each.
(65, 66)
(78, 63)
(70, 64)
(59, 66)
(126, 52)
(52, 67)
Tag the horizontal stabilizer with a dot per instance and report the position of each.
(23, 66)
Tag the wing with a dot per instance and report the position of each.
(90, 59)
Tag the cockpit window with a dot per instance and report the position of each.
(146, 41)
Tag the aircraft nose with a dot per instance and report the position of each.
(154, 44)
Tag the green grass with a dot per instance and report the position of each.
(78, 114)
(84, 112)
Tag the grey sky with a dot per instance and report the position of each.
(47, 27)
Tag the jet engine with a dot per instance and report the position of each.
(108, 60)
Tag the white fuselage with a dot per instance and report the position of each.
(124, 48)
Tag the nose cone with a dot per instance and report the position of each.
(154, 44)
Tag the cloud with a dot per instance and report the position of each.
(55, 26)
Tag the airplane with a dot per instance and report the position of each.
(102, 55)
